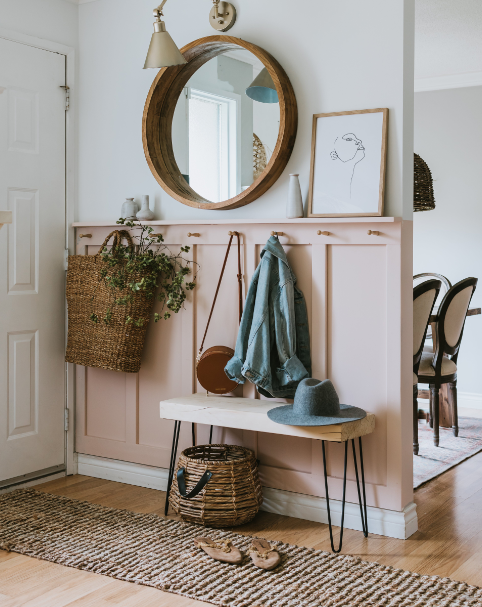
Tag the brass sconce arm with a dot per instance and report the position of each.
(157, 12)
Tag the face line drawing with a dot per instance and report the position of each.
(348, 149)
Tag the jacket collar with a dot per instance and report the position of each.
(274, 247)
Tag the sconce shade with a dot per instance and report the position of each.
(263, 88)
(162, 51)
(423, 198)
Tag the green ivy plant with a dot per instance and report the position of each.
(164, 274)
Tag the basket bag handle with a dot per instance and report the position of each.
(240, 289)
(181, 483)
(118, 236)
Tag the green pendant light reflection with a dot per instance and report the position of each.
(263, 88)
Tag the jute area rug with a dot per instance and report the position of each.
(432, 461)
(146, 549)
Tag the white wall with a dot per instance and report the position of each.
(53, 20)
(339, 56)
(448, 132)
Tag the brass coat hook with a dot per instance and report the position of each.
(85, 235)
(373, 233)
(194, 234)
(234, 233)
(277, 233)
(320, 233)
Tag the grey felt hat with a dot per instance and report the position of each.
(316, 404)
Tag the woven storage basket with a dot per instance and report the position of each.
(423, 198)
(114, 346)
(233, 494)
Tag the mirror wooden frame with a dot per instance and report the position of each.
(159, 112)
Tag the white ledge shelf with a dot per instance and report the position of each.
(272, 222)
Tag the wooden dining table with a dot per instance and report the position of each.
(445, 398)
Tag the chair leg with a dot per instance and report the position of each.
(430, 407)
(415, 419)
(434, 389)
(455, 413)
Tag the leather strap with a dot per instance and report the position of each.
(181, 483)
(240, 288)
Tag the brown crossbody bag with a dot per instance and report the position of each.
(210, 364)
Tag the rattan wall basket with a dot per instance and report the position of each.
(232, 495)
(114, 346)
(423, 198)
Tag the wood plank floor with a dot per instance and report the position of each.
(449, 543)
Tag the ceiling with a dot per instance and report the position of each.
(448, 37)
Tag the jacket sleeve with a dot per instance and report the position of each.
(235, 365)
(291, 369)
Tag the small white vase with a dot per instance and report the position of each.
(294, 206)
(145, 214)
(129, 209)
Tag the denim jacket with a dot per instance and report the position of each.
(273, 344)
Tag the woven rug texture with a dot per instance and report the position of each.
(147, 549)
(432, 461)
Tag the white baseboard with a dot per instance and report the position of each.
(400, 525)
(122, 472)
(469, 404)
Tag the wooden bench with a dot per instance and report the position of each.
(251, 414)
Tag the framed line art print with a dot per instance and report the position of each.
(348, 162)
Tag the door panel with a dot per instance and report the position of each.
(32, 276)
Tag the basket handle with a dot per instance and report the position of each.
(118, 236)
(181, 483)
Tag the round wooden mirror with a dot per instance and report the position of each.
(209, 129)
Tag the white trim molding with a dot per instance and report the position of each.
(468, 404)
(454, 81)
(122, 472)
(400, 525)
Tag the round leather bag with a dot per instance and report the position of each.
(210, 370)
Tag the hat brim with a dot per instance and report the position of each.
(285, 415)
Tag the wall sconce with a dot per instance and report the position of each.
(222, 16)
(162, 52)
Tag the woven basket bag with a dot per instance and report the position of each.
(231, 493)
(114, 346)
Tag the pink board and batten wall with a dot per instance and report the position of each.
(358, 293)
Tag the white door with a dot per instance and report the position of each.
(32, 186)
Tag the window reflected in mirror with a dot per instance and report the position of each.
(223, 139)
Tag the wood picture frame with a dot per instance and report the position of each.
(159, 112)
(340, 190)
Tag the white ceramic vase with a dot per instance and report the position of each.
(145, 214)
(294, 206)
(129, 209)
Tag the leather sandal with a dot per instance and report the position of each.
(224, 552)
(264, 555)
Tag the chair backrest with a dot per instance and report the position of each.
(424, 297)
(451, 320)
(446, 286)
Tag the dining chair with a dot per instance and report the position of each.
(424, 298)
(440, 366)
(446, 286)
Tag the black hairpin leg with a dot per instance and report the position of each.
(193, 435)
(172, 464)
(211, 435)
(363, 509)
(328, 498)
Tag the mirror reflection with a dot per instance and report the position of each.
(223, 137)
